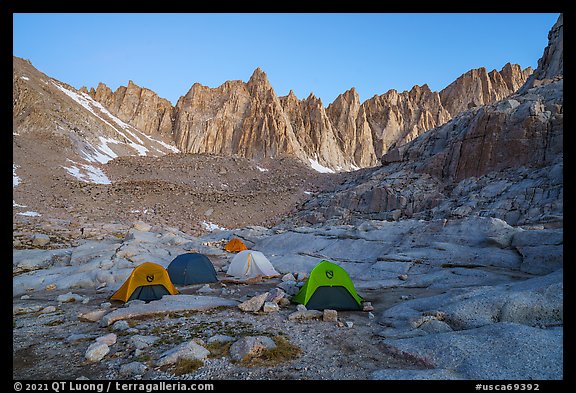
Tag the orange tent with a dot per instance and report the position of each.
(148, 281)
(235, 245)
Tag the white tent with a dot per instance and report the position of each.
(249, 263)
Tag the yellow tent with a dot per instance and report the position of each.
(235, 245)
(148, 281)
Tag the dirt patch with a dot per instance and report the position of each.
(185, 191)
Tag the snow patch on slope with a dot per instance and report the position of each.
(30, 214)
(87, 173)
(212, 227)
(15, 178)
(129, 134)
(319, 168)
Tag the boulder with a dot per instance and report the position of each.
(40, 240)
(270, 307)
(253, 304)
(220, 338)
(304, 315)
(165, 306)
(93, 316)
(132, 369)
(142, 226)
(109, 339)
(250, 346)
(330, 315)
(140, 342)
(189, 351)
(96, 351)
(69, 297)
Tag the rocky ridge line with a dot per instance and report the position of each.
(503, 159)
(250, 120)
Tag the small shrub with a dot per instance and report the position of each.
(143, 357)
(283, 352)
(186, 366)
(218, 349)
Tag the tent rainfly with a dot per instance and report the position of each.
(148, 281)
(235, 245)
(328, 287)
(249, 263)
(191, 268)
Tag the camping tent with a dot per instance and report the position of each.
(249, 263)
(235, 245)
(328, 287)
(148, 281)
(191, 268)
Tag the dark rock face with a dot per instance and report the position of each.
(503, 159)
(525, 129)
(521, 130)
(551, 64)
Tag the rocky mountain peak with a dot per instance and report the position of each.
(418, 88)
(102, 94)
(478, 87)
(419, 93)
(258, 77)
(551, 64)
(350, 96)
(137, 106)
(290, 102)
(313, 99)
(515, 76)
(352, 93)
(196, 88)
(258, 73)
(259, 86)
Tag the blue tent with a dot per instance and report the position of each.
(191, 268)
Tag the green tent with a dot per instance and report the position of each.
(328, 287)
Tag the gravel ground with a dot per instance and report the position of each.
(51, 345)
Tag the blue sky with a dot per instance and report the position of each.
(323, 53)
